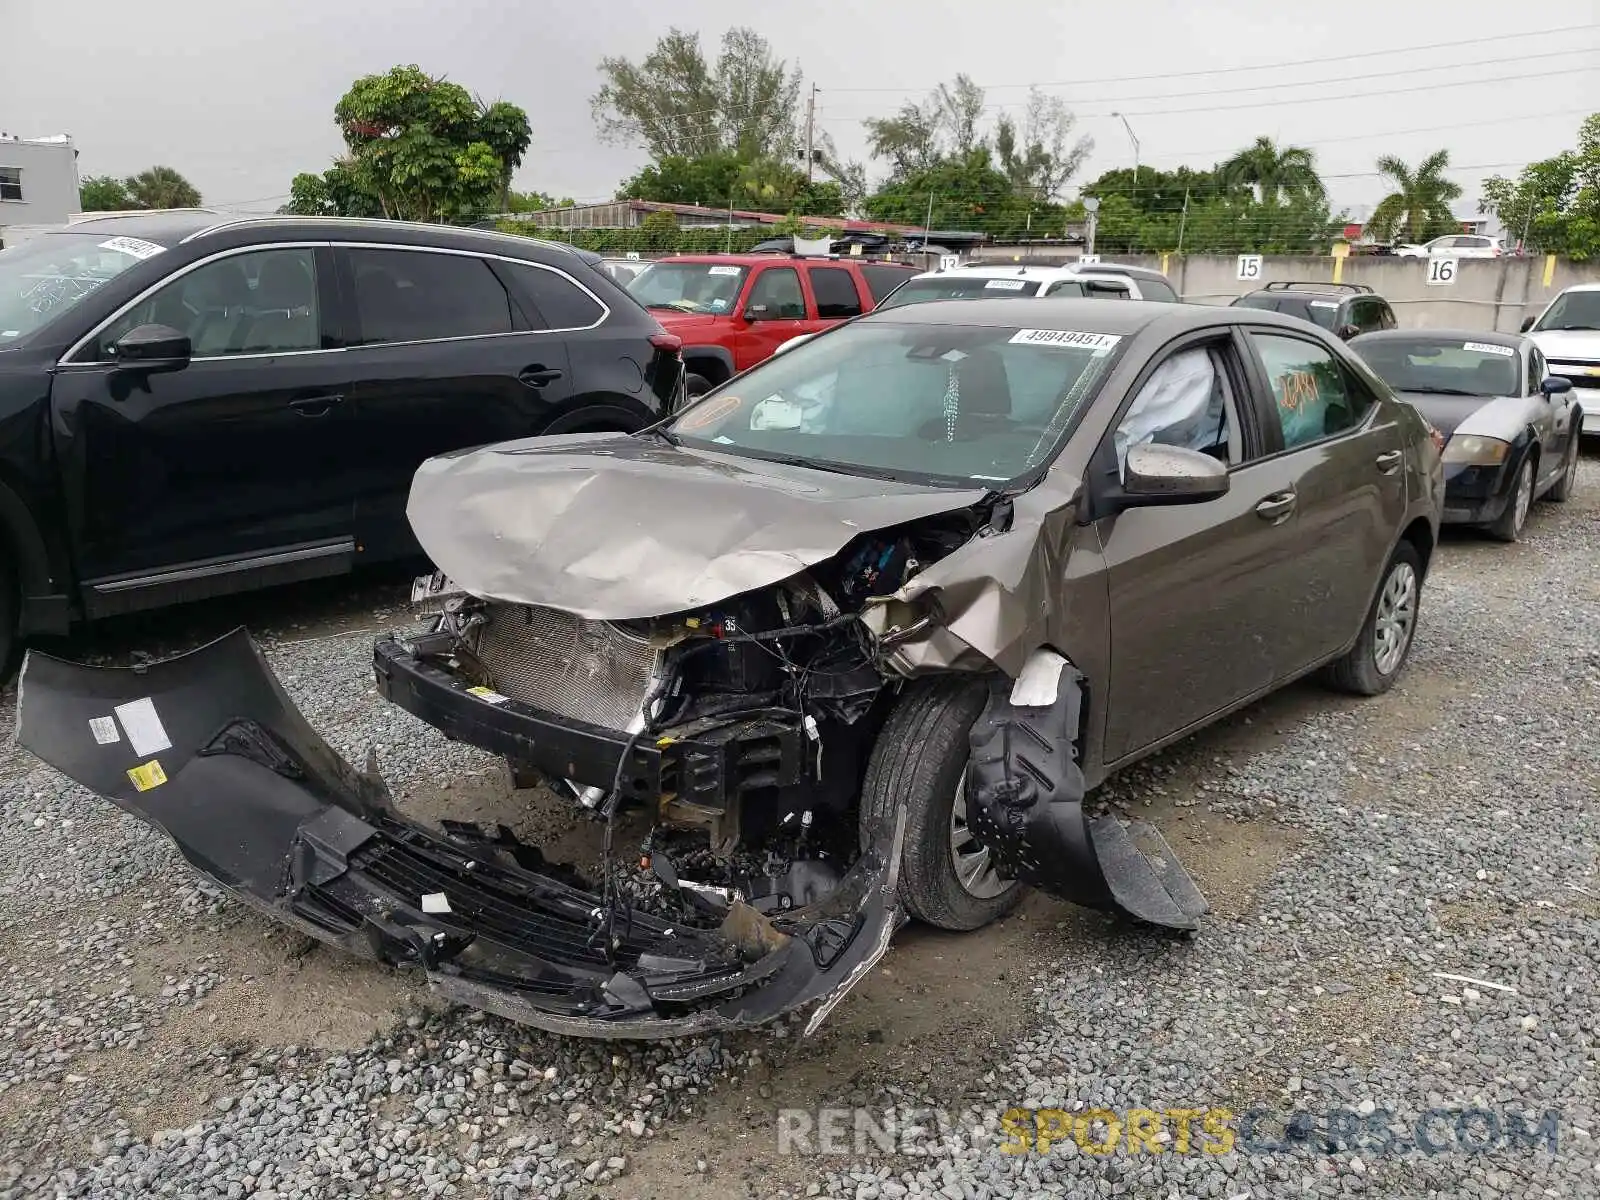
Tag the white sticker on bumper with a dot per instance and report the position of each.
(140, 721)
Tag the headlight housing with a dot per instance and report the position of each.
(1477, 451)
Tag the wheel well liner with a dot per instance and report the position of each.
(713, 363)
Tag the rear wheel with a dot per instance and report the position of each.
(1508, 528)
(695, 385)
(920, 759)
(1568, 483)
(1374, 662)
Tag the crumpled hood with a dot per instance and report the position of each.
(612, 527)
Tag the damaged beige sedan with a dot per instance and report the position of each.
(845, 642)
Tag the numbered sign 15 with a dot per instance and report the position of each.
(1249, 266)
(1442, 271)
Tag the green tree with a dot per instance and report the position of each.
(686, 179)
(102, 193)
(426, 148)
(337, 192)
(965, 192)
(680, 106)
(1554, 204)
(1037, 156)
(161, 187)
(1271, 171)
(1419, 207)
(522, 202)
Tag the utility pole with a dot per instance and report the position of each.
(927, 231)
(811, 124)
(1183, 220)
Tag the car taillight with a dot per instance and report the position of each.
(671, 343)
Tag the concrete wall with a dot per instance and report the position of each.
(1487, 293)
(49, 182)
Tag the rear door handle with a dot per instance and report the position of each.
(537, 376)
(316, 406)
(1277, 507)
(1389, 461)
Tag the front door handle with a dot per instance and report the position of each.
(1276, 508)
(1389, 461)
(316, 406)
(537, 376)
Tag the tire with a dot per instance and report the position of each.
(1562, 491)
(695, 385)
(920, 759)
(1371, 667)
(1509, 525)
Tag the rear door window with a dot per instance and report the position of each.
(835, 292)
(1158, 289)
(1100, 289)
(413, 295)
(556, 299)
(1313, 399)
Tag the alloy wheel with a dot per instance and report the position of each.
(974, 865)
(1395, 618)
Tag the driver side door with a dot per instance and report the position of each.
(775, 297)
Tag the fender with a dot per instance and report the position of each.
(604, 411)
(44, 606)
(720, 353)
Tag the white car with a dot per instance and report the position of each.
(1567, 332)
(1455, 245)
(1000, 281)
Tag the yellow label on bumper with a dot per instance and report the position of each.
(487, 695)
(147, 775)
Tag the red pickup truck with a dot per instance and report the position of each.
(733, 310)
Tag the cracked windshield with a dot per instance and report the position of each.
(962, 403)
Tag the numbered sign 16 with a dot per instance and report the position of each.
(1249, 266)
(1442, 271)
(949, 262)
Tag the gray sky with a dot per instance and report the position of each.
(240, 98)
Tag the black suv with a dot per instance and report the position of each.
(1344, 309)
(191, 406)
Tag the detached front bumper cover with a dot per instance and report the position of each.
(208, 748)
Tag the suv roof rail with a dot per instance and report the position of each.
(1315, 286)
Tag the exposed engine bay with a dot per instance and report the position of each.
(763, 709)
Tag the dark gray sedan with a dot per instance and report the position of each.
(1513, 428)
(846, 641)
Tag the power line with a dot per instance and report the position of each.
(1302, 62)
(1500, 60)
(1280, 102)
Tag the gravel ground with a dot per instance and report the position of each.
(159, 1040)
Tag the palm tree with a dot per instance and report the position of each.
(1273, 171)
(1420, 205)
(162, 187)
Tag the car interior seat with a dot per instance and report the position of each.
(283, 308)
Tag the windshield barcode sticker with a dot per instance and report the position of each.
(1006, 285)
(1489, 348)
(137, 247)
(724, 270)
(1100, 343)
(1324, 304)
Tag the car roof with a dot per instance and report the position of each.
(1003, 270)
(1331, 291)
(165, 228)
(1514, 341)
(1581, 287)
(752, 260)
(1077, 313)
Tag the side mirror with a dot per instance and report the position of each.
(1554, 385)
(1347, 331)
(1527, 323)
(152, 348)
(1154, 474)
(756, 312)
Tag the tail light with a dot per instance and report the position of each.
(669, 343)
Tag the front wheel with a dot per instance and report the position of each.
(695, 386)
(920, 759)
(1373, 664)
(1508, 527)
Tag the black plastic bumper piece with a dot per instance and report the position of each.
(253, 798)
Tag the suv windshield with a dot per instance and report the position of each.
(1308, 308)
(938, 403)
(1571, 310)
(958, 287)
(1444, 366)
(699, 287)
(42, 278)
